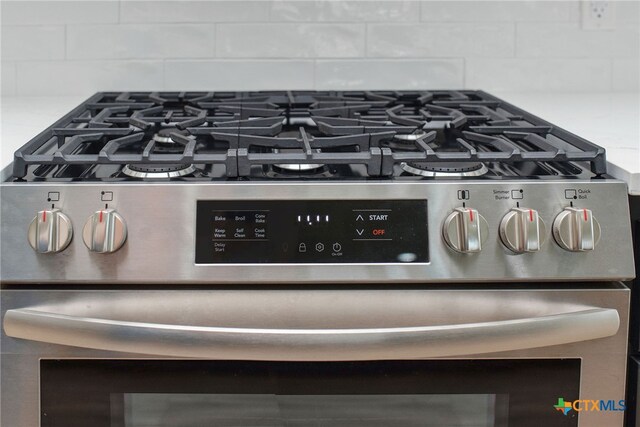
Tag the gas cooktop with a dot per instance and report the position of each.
(303, 135)
(302, 186)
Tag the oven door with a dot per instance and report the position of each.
(332, 357)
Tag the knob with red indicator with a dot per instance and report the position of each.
(465, 230)
(522, 230)
(576, 230)
(105, 231)
(50, 231)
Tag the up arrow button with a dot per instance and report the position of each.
(359, 218)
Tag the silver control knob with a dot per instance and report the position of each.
(576, 230)
(105, 231)
(465, 230)
(522, 230)
(50, 231)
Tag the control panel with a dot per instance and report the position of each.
(418, 232)
(312, 231)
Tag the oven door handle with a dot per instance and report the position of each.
(311, 344)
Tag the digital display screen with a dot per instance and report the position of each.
(316, 231)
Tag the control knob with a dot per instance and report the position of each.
(522, 230)
(465, 230)
(576, 230)
(105, 231)
(50, 231)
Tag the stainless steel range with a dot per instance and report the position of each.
(312, 258)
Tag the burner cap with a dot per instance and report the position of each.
(158, 171)
(410, 137)
(449, 169)
(298, 168)
(163, 136)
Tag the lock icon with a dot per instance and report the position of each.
(302, 247)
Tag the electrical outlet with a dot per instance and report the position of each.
(598, 15)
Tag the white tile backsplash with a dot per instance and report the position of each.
(26, 42)
(370, 11)
(66, 47)
(293, 11)
(345, 11)
(538, 75)
(567, 40)
(500, 11)
(132, 41)
(238, 75)
(285, 40)
(430, 39)
(86, 77)
(58, 12)
(626, 75)
(628, 11)
(8, 78)
(194, 11)
(389, 74)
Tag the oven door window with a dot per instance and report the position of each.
(173, 393)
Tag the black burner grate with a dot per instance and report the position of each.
(363, 134)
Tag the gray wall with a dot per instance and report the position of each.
(61, 48)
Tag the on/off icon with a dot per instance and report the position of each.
(463, 194)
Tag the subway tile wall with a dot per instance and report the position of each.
(73, 47)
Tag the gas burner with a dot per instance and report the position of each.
(310, 168)
(164, 142)
(321, 172)
(448, 169)
(410, 137)
(155, 171)
(163, 136)
(297, 168)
